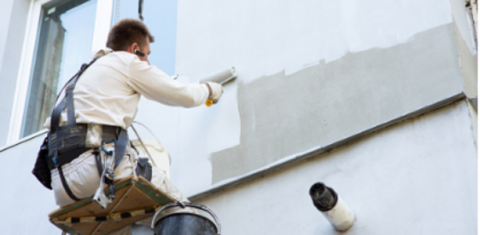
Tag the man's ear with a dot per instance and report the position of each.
(133, 47)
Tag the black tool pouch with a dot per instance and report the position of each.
(41, 170)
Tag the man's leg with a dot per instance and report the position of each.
(83, 178)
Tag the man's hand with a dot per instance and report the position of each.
(215, 92)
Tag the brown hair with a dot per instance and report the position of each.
(126, 32)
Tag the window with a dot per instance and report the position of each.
(63, 34)
(64, 42)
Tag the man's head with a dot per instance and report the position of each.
(130, 35)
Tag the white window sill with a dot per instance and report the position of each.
(25, 139)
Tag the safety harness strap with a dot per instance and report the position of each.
(70, 107)
(55, 117)
(144, 168)
(98, 161)
(120, 147)
(65, 185)
(67, 101)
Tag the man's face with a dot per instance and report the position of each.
(146, 50)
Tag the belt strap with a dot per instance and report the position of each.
(72, 137)
(71, 140)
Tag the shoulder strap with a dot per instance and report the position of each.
(67, 101)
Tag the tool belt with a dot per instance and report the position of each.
(67, 141)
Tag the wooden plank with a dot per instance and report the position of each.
(143, 196)
(118, 185)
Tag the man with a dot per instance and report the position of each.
(107, 95)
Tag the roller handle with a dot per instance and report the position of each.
(221, 77)
(209, 103)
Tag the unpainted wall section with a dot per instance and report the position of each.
(13, 21)
(416, 177)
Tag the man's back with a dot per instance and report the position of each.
(108, 92)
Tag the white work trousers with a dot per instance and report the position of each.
(82, 177)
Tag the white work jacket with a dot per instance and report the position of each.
(108, 92)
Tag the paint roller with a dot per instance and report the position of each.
(222, 77)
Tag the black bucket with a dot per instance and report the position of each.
(185, 223)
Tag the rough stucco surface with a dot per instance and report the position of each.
(417, 177)
(282, 115)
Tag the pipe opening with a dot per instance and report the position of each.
(323, 197)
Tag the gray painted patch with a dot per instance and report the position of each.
(283, 115)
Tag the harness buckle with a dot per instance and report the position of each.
(55, 160)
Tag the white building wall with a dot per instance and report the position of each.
(311, 74)
(24, 201)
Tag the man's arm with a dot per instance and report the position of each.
(154, 84)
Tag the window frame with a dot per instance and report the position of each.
(103, 21)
